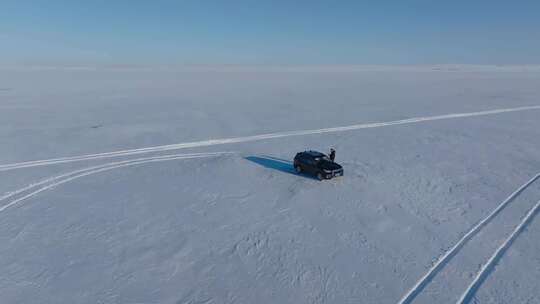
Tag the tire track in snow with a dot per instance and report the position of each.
(70, 176)
(233, 140)
(50, 179)
(428, 277)
(494, 259)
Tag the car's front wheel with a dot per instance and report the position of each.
(320, 176)
(298, 169)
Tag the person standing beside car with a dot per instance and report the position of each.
(332, 154)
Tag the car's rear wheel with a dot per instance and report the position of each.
(320, 176)
(298, 169)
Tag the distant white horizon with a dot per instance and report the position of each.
(315, 67)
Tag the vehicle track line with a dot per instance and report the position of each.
(212, 142)
(64, 178)
(50, 179)
(424, 280)
(486, 269)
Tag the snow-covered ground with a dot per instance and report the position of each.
(211, 211)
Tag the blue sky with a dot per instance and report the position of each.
(269, 32)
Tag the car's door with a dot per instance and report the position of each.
(303, 162)
(311, 166)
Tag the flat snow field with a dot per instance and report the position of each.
(175, 185)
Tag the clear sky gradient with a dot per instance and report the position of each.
(269, 32)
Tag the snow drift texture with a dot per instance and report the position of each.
(197, 225)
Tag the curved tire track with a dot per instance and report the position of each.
(67, 177)
(50, 179)
(212, 142)
(424, 280)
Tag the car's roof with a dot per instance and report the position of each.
(314, 153)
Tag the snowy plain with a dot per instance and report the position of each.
(229, 222)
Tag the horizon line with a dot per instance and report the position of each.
(130, 66)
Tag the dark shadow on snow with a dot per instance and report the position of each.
(278, 164)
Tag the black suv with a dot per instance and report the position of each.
(318, 164)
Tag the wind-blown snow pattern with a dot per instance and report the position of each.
(437, 204)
